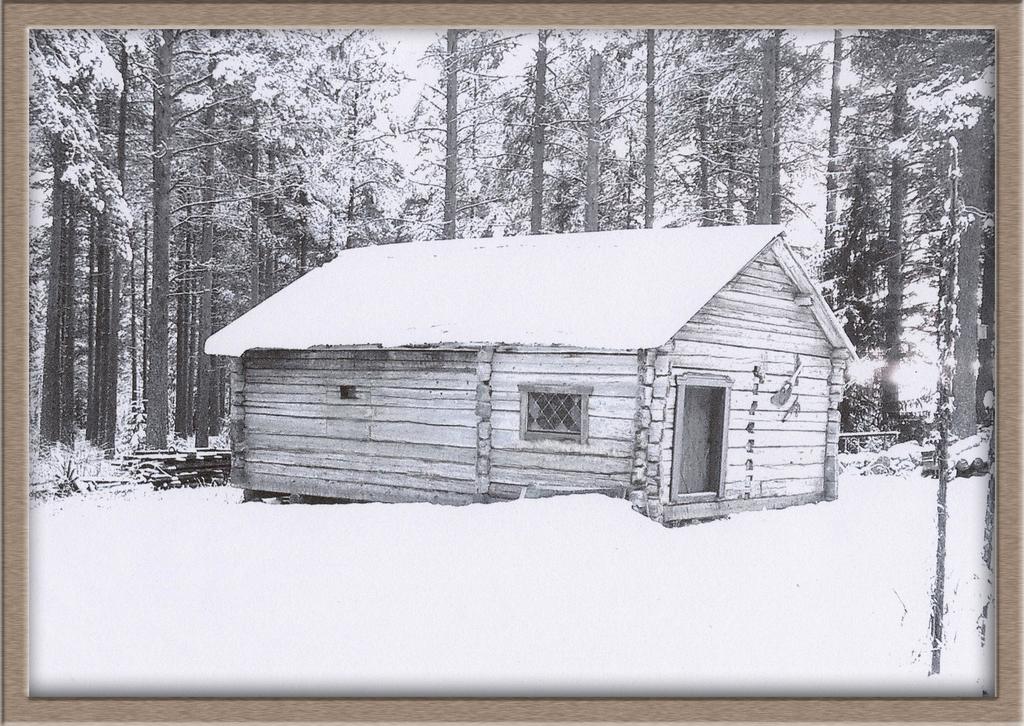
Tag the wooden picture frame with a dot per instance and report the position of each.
(21, 15)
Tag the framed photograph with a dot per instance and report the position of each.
(511, 362)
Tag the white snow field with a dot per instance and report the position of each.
(191, 592)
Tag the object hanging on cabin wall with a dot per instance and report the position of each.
(780, 397)
(793, 409)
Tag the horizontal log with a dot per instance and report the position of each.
(676, 512)
(364, 354)
(565, 462)
(367, 368)
(623, 364)
(506, 439)
(598, 426)
(699, 333)
(736, 472)
(740, 350)
(258, 441)
(777, 455)
(621, 387)
(754, 301)
(393, 479)
(791, 314)
(461, 436)
(430, 379)
(368, 414)
(743, 364)
(354, 490)
(760, 324)
(621, 407)
(362, 463)
(560, 479)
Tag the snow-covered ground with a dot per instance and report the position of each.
(190, 592)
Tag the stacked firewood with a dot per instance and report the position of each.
(166, 469)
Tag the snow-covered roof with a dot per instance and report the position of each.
(617, 290)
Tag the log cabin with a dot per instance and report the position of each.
(695, 371)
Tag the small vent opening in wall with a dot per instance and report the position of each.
(347, 392)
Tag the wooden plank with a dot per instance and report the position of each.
(767, 439)
(622, 387)
(676, 512)
(362, 463)
(744, 364)
(723, 305)
(361, 367)
(355, 490)
(760, 324)
(754, 301)
(504, 439)
(560, 479)
(603, 406)
(565, 462)
(777, 455)
(431, 379)
(392, 479)
(599, 426)
(317, 444)
(367, 414)
(765, 288)
(699, 333)
(423, 434)
(736, 471)
(364, 354)
(623, 364)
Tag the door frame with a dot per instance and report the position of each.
(681, 382)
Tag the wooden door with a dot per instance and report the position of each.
(698, 456)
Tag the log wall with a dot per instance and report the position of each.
(544, 466)
(754, 321)
(406, 430)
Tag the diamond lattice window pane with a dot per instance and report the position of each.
(558, 413)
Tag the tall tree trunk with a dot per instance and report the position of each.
(92, 408)
(181, 326)
(145, 307)
(97, 406)
(832, 172)
(703, 162)
(767, 153)
(591, 213)
(68, 310)
(133, 329)
(649, 134)
(49, 408)
(949, 301)
(451, 141)
(254, 219)
(156, 421)
(204, 374)
(893, 318)
(965, 380)
(987, 309)
(539, 129)
(730, 176)
(112, 359)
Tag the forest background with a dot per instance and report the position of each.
(179, 177)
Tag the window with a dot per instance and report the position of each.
(347, 392)
(554, 412)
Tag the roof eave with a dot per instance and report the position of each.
(827, 319)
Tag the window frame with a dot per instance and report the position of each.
(583, 391)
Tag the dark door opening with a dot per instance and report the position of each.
(699, 442)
